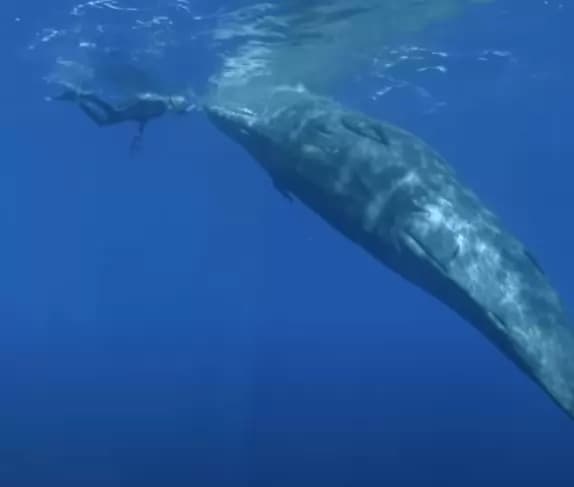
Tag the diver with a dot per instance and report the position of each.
(141, 109)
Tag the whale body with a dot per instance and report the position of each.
(393, 195)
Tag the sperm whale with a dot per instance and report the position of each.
(393, 195)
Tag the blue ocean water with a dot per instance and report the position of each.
(171, 320)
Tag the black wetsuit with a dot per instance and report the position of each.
(142, 110)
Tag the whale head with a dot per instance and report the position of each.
(266, 141)
(238, 123)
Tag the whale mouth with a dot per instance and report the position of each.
(232, 118)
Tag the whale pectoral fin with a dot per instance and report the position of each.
(365, 128)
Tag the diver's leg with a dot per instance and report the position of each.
(99, 111)
(98, 103)
(98, 117)
(68, 95)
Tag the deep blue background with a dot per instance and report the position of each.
(171, 320)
